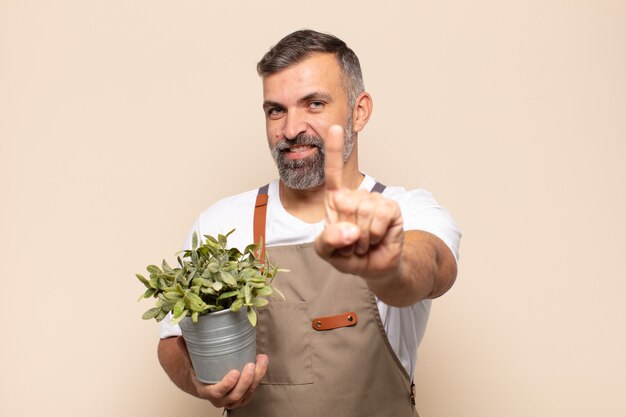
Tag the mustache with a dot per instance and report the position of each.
(301, 139)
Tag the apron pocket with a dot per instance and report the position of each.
(283, 334)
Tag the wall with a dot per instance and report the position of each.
(120, 121)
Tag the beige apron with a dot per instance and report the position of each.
(329, 355)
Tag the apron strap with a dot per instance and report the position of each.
(260, 215)
(378, 188)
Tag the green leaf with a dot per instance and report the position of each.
(194, 302)
(194, 317)
(161, 315)
(265, 291)
(236, 305)
(194, 240)
(179, 307)
(153, 269)
(152, 313)
(143, 280)
(247, 294)
(251, 316)
(228, 294)
(173, 295)
(250, 249)
(166, 268)
(228, 279)
(259, 302)
(217, 286)
(176, 320)
(213, 267)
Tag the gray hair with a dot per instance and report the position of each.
(298, 45)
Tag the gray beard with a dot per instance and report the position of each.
(307, 173)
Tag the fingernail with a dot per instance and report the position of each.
(263, 360)
(349, 232)
(249, 367)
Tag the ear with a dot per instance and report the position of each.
(362, 111)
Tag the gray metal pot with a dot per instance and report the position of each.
(219, 342)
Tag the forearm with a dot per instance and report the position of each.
(175, 361)
(426, 269)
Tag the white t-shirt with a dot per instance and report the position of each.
(405, 326)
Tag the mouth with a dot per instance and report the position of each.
(300, 151)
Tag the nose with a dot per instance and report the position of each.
(294, 125)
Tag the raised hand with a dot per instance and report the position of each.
(363, 233)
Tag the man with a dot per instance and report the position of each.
(365, 259)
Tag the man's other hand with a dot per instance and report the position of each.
(234, 390)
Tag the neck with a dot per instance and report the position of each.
(308, 205)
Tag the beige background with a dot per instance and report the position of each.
(121, 120)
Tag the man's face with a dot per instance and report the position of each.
(301, 102)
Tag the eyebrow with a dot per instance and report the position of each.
(316, 96)
(312, 96)
(267, 104)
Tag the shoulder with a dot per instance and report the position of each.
(421, 211)
(409, 199)
(233, 212)
(229, 206)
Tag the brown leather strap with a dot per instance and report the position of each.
(260, 214)
(334, 322)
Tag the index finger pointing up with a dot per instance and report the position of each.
(333, 158)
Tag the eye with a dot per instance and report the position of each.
(316, 105)
(274, 112)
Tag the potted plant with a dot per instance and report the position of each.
(228, 284)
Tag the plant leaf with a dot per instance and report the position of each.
(259, 302)
(194, 240)
(166, 268)
(247, 294)
(265, 291)
(213, 267)
(153, 269)
(161, 316)
(251, 316)
(194, 302)
(228, 279)
(176, 320)
(179, 307)
(143, 280)
(228, 294)
(152, 313)
(236, 305)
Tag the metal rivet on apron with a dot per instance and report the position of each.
(318, 324)
(350, 318)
